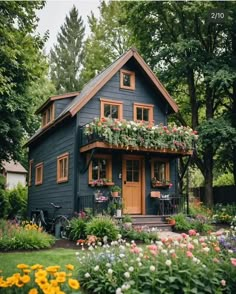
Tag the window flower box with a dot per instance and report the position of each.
(161, 184)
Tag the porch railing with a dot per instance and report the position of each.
(169, 205)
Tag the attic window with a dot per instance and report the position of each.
(111, 108)
(127, 79)
(62, 168)
(39, 174)
(48, 115)
(143, 112)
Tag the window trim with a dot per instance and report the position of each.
(143, 106)
(108, 169)
(38, 167)
(132, 79)
(45, 113)
(59, 158)
(162, 160)
(111, 102)
(31, 162)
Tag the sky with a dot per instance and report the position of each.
(52, 16)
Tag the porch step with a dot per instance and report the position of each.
(151, 221)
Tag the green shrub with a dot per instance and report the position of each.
(102, 226)
(77, 229)
(18, 201)
(14, 237)
(4, 204)
(139, 235)
(182, 224)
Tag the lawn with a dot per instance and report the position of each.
(60, 256)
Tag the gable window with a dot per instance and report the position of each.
(111, 108)
(143, 112)
(160, 171)
(127, 79)
(100, 168)
(30, 173)
(48, 115)
(39, 173)
(62, 168)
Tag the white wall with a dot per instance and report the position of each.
(13, 179)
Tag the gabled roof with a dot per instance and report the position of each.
(94, 85)
(14, 167)
(56, 97)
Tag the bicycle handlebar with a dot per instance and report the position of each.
(56, 206)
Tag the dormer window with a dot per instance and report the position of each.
(48, 115)
(111, 108)
(127, 79)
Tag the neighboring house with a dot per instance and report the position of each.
(14, 173)
(63, 166)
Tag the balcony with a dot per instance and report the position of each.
(137, 136)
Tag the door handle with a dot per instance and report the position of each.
(124, 182)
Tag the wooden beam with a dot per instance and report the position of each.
(103, 145)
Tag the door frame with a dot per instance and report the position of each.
(142, 178)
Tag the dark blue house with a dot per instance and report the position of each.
(64, 163)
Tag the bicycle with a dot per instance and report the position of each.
(57, 225)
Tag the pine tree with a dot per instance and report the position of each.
(67, 54)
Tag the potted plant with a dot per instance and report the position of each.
(127, 221)
(119, 207)
(115, 190)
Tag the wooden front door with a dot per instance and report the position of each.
(132, 184)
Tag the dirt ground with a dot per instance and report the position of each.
(66, 244)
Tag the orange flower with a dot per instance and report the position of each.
(70, 267)
(74, 284)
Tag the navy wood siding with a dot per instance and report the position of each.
(144, 93)
(61, 104)
(47, 148)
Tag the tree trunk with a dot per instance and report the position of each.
(193, 99)
(234, 96)
(208, 175)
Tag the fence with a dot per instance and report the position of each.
(223, 194)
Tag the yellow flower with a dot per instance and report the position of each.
(3, 284)
(22, 266)
(52, 269)
(26, 271)
(19, 283)
(33, 291)
(74, 284)
(42, 281)
(61, 279)
(41, 274)
(54, 283)
(70, 267)
(36, 267)
(25, 279)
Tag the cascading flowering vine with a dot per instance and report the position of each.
(142, 134)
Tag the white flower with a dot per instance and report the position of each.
(176, 243)
(108, 265)
(230, 251)
(140, 264)
(110, 271)
(118, 291)
(90, 248)
(119, 236)
(195, 241)
(127, 275)
(172, 251)
(141, 254)
(87, 275)
(127, 244)
(138, 259)
(122, 255)
(164, 252)
(125, 287)
(131, 269)
(96, 268)
(206, 249)
(99, 243)
(152, 268)
(168, 262)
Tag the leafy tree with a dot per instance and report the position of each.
(66, 56)
(191, 55)
(109, 38)
(21, 63)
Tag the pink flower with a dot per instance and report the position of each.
(153, 252)
(190, 246)
(233, 261)
(223, 282)
(184, 235)
(189, 254)
(192, 233)
(152, 247)
(135, 250)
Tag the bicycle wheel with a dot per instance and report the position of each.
(64, 223)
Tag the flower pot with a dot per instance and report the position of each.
(172, 222)
(118, 212)
(115, 194)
